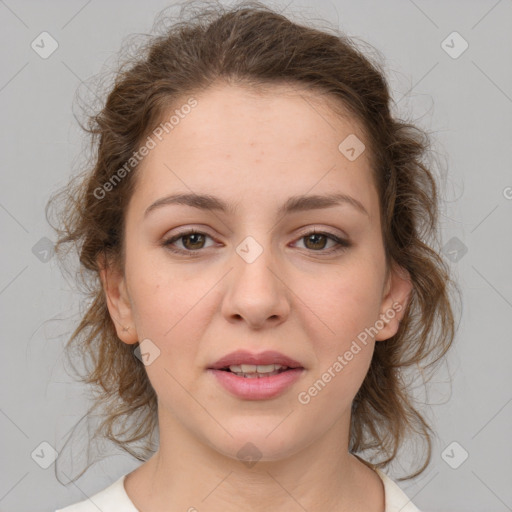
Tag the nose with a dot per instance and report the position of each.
(256, 291)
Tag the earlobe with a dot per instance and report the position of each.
(395, 300)
(118, 301)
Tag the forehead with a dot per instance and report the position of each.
(241, 143)
(227, 114)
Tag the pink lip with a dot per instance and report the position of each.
(244, 357)
(259, 388)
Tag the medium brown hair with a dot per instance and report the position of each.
(253, 46)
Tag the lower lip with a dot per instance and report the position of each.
(259, 388)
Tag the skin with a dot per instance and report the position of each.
(254, 150)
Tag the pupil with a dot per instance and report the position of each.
(315, 235)
(192, 235)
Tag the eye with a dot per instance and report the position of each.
(193, 242)
(317, 241)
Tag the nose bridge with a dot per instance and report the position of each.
(255, 264)
(256, 290)
(255, 249)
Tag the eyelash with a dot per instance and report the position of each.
(343, 245)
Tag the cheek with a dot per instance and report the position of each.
(348, 301)
(166, 310)
(343, 343)
(348, 309)
(158, 297)
(152, 305)
(169, 309)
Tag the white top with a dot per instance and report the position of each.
(115, 499)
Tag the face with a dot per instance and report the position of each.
(255, 277)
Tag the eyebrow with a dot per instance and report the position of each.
(293, 204)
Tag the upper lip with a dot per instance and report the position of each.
(245, 357)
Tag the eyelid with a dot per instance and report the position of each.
(323, 230)
(167, 241)
(342, 242)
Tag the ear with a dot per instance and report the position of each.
(396, 296)
(118, 300)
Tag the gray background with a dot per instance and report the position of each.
(466, 101)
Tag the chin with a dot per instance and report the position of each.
(251, 445)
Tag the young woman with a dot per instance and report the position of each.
(259, 231)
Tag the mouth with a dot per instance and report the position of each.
(245, 362)
(256, 385)
(260, 376)
(251, 371)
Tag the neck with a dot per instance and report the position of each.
(187, 474)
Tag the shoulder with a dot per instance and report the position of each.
(395, 499)
(114, 499)
(111, 499)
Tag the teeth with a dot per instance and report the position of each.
(253, 368)
(256, 375)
